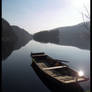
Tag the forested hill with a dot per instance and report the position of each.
(77, 35)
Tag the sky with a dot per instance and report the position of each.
(40, 15)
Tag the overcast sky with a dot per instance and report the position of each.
(38, 15)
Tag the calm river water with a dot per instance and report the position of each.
(19, 76)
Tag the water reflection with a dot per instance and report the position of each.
(9, 47)
(56, 87)
(84, 44)
(18, 76)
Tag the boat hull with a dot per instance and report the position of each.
(53, 84)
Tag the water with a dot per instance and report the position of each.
(19, 76)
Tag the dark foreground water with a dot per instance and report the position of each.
(19, 76)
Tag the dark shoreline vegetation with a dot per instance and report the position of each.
(14, 37)
(78, 36)
(47, 36)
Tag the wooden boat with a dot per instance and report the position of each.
(56, 70)
(54, 85)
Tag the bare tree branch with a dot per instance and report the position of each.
(87, 16)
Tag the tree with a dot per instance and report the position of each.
(86, 16)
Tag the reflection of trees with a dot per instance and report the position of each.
(7, 49)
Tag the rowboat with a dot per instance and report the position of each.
(56, 70)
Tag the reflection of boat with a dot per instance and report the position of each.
(56, 70)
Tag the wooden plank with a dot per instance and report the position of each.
(56, 67)
(64, 77)
(50, 73)
(42, 65)
(38, 55)
(72, 80)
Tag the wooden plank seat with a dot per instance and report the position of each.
(73, 80)
(55, 67)
(39, 55)
(70, 80)
(64, 77)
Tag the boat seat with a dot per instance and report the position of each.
(70, 80)
(56, 67)
(64, 77)
(39, 55)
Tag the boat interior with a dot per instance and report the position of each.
(56, 69)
